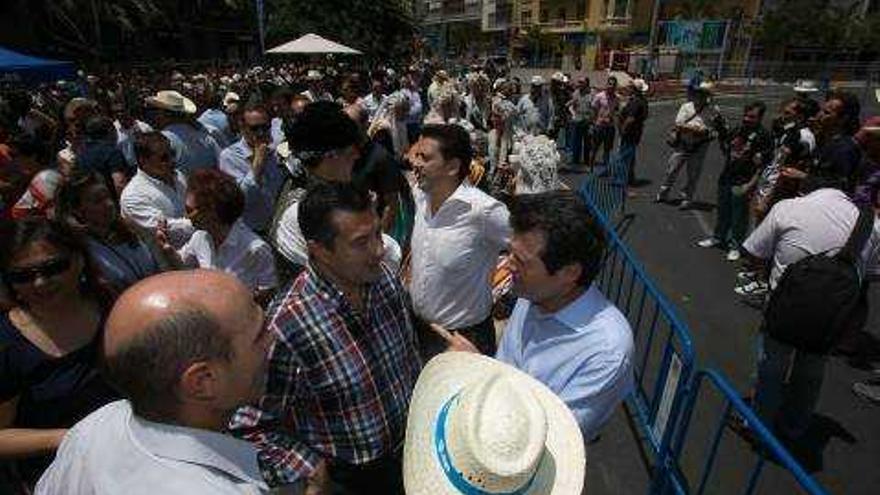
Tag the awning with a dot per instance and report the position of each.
(312, 43)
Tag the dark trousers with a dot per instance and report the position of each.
(580, 142)
(732, 217)
(383, 476)
(481, 335)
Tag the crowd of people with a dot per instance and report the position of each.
(796, 203)
(294, 278)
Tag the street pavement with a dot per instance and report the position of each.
(843, 449)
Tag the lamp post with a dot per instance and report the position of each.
(652, 37)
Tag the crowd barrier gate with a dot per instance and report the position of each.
(667, 384)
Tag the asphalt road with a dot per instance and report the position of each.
(843, 449)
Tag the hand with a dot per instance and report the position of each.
(793, 173)
(319, 482)
(261, 151)
(162, 237)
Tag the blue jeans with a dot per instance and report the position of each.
(625, 161)
(732, 216)
(580, 142)
(788, 386)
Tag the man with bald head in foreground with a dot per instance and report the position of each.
(185, 349)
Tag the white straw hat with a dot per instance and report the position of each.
(640, 85)
(477, 425)
(172, 101)
(805, 86)
(537, 81)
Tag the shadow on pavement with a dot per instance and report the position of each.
(862, 351)
(809, 450)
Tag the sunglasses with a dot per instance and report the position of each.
(260, 128)
(46, 270)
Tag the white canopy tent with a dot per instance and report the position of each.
(313, 44)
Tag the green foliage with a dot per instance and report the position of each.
(379, 28)
(814, 23)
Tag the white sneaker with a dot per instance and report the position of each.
(755, 288)
(745, 277)
(709, 242)
(733, 255)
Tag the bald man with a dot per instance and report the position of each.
(185, 349)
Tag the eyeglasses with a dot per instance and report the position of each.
(260, 128)
(46, 270)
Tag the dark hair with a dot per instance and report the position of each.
(147, 368)
(757, 105)
(571, 233)
(321, 127)
(70, 198)
(218, 192)
(16, 235)
(321, 201)
(850, 112)
(455, 142)
(99, 127)
(145, 144)
(255, 107)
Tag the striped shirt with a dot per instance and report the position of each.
(339, 380)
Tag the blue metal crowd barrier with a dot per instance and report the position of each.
(667, 382)
(606, 188)
(664, 355)
(763, 446)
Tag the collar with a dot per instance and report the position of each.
(581, 310)
(158, 182)
(236, 237)
(828, 192)
(462, 194)
(242, 146)
(210, 449)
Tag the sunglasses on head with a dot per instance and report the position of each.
(46, 270)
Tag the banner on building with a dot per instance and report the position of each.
(692, 36)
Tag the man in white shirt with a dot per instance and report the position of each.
(693, 127)
(185, 349)
(458, 234)
(789, 381)
(374, 100)
(416, 110)
(157, 192)
(127, 128)
(534, 110)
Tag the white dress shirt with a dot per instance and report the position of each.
(113, 452)
(146, 200)
(242, 254)
(292, 245)
(371, 104)
(453, 254)
(583, 352)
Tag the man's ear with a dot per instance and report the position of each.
(453, 166)
(571, 273)
(199, 382)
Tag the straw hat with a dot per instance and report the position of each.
(706, 87)
(477, 425)
(314, 75)
(559, 77)
(537, 81)
(805, 86)
(172, 101)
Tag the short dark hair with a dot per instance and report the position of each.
(147, 368)
(851, 111)
(218, 192)
(145, 144)
(321, 127)
(571, 233)
(321, 201)
(99, 127)
(455, 142)
(254, 107)
(756, 105)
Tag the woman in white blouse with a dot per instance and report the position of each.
(214, 205)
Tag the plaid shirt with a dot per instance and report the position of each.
(339, 381)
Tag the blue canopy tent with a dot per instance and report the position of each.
(17, 68)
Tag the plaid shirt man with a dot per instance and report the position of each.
(339, 380)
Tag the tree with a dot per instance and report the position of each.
(381, 29)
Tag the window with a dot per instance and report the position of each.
(526, 17)
(581, 12)
(560, 15)
(545, 16)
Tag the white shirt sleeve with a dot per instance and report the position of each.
(761, 243)
(685, 112)
(496, 226)
(140, 210)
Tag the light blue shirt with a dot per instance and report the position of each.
(193, 147)
(215, 118)
(582, 352)
(259, 193)
(277, 132)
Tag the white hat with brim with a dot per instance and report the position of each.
(478, 424)
(640, 85)
(537, 81)
(172, 101)
(314, 75)
(706, 87)
(805, 86)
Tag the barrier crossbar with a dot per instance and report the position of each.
(765, 446)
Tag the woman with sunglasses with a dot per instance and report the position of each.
(85, 203)
(48, 342)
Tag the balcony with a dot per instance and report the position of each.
(610, 24)
(563, 26)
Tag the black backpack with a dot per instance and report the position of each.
(817, 297)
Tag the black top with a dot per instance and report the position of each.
(637, 108)
(105, 159)
(839, 161)
(747, 150)
(53, 392)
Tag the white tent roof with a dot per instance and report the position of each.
(312, 43)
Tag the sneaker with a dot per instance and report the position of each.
(685, 204)
(867, 391)
(709, 242)
(746, 276)
(662, 196)
(733, 255)
(753, 288)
